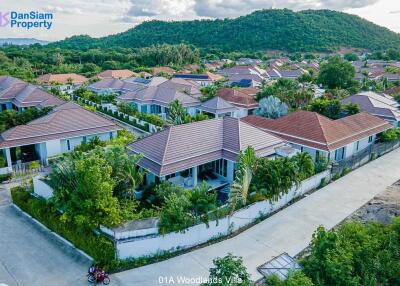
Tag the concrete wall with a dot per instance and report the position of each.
(41, 189)
(198, 234)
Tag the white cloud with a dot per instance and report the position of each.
(233, 8)
(103, 17)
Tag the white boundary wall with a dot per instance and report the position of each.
(198, 234)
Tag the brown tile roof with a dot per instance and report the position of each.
(116, 74)
(213, 76)
(168, 70)
(23, 94)
(184, 146)
(317, 131)
(238, 97)
(393, 90)
(61, 78)
(65, 121)
(217, 104)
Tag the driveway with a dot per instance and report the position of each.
(31, 256)
(290, 230)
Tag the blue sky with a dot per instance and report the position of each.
(103, 17)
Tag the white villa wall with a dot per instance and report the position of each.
(191, 110)
(41, 189)
(53, 147)
(78, 140)
(198, 234)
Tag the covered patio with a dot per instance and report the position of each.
(216, 174)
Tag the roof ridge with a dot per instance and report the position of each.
(321, 124)
(166, 144)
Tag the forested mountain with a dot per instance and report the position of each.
(309, 30)
(21, 41)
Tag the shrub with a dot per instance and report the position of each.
(5, 177)
(228, 270)
(390, 135)
(97, 246)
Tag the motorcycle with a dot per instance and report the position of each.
(101, 277)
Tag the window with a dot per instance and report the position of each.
(111, 135)
(370, 139)
(84, 139)
(316, 153)
(358, 145)
(68, 145)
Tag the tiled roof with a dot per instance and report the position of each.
(61, 78)
(167, 70)
(116, 74)
(115, 84)
(317, 131)
(207, 76)
(376, 104)
(239, 97)
(184, 146)
(217, 104)
(65, 121)
(23, 94)
(393, 90)
(162, 96)
(164, 92)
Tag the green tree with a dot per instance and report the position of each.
(355, 254)
(336, 73)
(229, 271)
(175, 213)
(92, 202)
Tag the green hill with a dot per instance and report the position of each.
(310, 30)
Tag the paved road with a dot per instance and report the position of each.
(287, 231)
(31, 256)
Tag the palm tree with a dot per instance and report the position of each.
(247, 161)
(304, 164)
(176, 113)
(134, 176)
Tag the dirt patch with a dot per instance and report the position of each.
(382, 208)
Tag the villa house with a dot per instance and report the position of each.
(248, 61)
(218, 107)
(273, 74)
(60, 131)
(244, 76)
(320, 136)
(113, 85)
(120, 74)
(120, 86)
(242, 98)
(17, 94)
(66, 82)
(155, 99)
(380, 105)
(205, 79)
(201, 151)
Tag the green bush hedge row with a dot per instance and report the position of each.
(97, 246)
